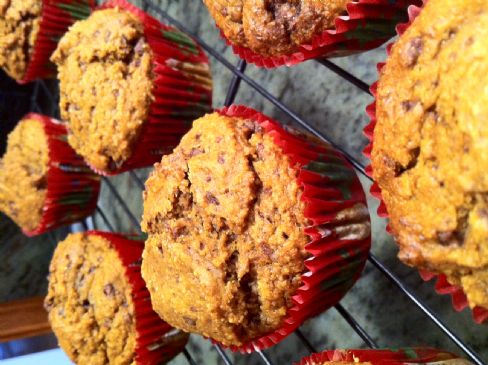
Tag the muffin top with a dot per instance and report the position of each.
(225, 223)
(430, 143)
(23, 174)
(274, 27)
(89, 301)
(105, 72)
(19, 25)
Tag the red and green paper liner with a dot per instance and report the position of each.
(367, 25)
(72, 188)
(156, 341)
(329, 186)
(56, 17)
(404, 356)
(182, 90)
(459, 299)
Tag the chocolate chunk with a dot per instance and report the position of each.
(221, 158)
(109, 290)
(413, 51)
(190, 321)
(449, 238)
(85, 304)
(196, 152)
(409, 105)
(211, 199)
(139, 48)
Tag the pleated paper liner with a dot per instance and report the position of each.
(156, 341)
(182, 90)
(72, 188)
(413, 355)
(56, 17)
(367, 25)
(330, 186)
(459, 299)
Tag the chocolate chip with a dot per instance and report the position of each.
(41, 183)
(448, 238)
(85, 304)
(202, 245)
(109, 290)
(221, 158)
(251, 127)
(413, 51)
(49, 304)
(196, 152)
(285, 235)
(160, 249)
(139, 48)
(190, 321)
(268, 251)
(208, 179)
(211, 199)
(409, 105)
(178, 231)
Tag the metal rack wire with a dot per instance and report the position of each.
(239, 76)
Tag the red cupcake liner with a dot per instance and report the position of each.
(329, 185)
(367, 25)
(412, 355)
(459, 299)
(182, 91)
(156, 342)
(72, 188)
(56, 17)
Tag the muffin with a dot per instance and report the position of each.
(23, 174)
(98, 307)
(29, 30)
(274, 33)
(429, 152)
(43, 183)
(235, 251)
(19, 26)
(405, 356)
(128, 85)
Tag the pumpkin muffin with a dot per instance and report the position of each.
(225, 207)
(275, 27)
(23, 174)
(91, 303)
(227, 231)
(105, 72)
(19, 26)
(429, 155)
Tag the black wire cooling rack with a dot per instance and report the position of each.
(42, 91)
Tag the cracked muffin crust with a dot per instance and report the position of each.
(19, 26)
(225, 224)
(89, 301)
(23, 174)
(429, 153)
(105, 72)
(274, 27)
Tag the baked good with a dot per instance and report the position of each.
(104, 68)
(23, 174)
(402, 356)
(124, 86)
(226, 221)
(44, 184)
(19, 26)
(92, 304)
(429, 153)
(271, 28)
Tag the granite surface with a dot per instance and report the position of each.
(336, 108)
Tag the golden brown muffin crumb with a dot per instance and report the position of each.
(19, 25)
(274, 27)
(105, 72)
(90, 302)
(225, 221)
(430, 152)
(23, 174)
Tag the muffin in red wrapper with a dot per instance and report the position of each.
(99, 307)
(277, 34)
(30, 31)
(251, 230)
(130, 87)
(440, 255)
(413, 355)
(44, 184)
